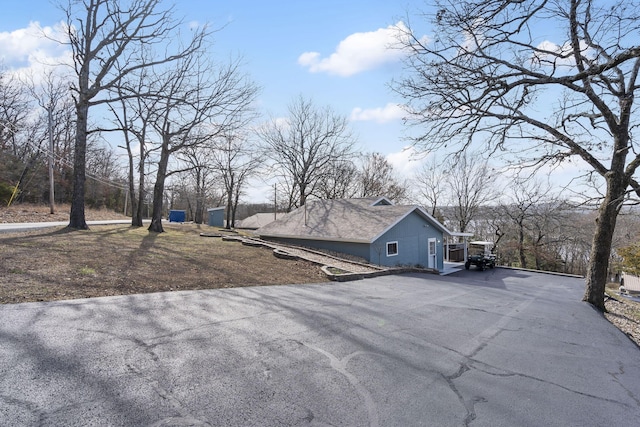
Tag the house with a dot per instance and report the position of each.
(373, 228)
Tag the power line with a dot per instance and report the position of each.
(65, 162)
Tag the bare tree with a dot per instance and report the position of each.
(489, 76)
(459, 187)
(377, 178)
(340, 181)
(14, 113)
(133, 116)
(470, 181)
(547, 227)
(526, 196)
(235, 162)
(51, 96)
(198, 101)
(304, 147)
(200, 176)
(101, 33)
(429, 183)
(285, 196)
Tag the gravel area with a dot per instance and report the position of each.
(625, 315)
(330, 261)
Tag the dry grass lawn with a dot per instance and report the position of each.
(57, 264)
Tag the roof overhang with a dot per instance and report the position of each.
(318, 238)
(458, 234)
(481, 243)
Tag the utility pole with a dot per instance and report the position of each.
(52, 199)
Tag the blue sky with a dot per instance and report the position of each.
(331, 51)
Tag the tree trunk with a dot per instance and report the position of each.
(76, 217)
(141, 190)
(229, 208)
(134, 202)
(236, 200)
(523, 258)
(158, 190)
(597, 272)
(199, 216)
(303, 195)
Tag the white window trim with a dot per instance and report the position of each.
(397, 248)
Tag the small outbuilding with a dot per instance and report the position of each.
(216, 217)
(371, 228)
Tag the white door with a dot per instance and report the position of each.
(431, 253)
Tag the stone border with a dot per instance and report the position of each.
(210, 235)
(347, 277)
(279, 253)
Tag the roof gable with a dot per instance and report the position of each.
(381, 201)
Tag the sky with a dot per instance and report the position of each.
(333, 52)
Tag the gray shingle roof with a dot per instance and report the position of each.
(258, 220)
(350, 220)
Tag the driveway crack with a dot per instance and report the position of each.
(340, 366)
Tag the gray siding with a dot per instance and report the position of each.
(412, 234)
(216, 217)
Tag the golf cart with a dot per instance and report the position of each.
(480, 255)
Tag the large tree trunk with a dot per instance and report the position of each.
(521, 254)
(158, 191)
(132, 191)
(598, 270)
(228, 224)
(303, 194)
(199, 216)
(141, 190)
(236, 200)
(76, 217)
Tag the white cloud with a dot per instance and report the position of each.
(549, 53)
(34, 50)
(406, 161)
(359, 52)
(385, 114)
(30, 43)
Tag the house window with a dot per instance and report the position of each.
(392, 248)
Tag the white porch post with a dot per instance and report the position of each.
(466, 247)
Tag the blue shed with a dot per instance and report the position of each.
(216, 217)
(373, 228)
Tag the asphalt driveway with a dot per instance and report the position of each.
(493, 348)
